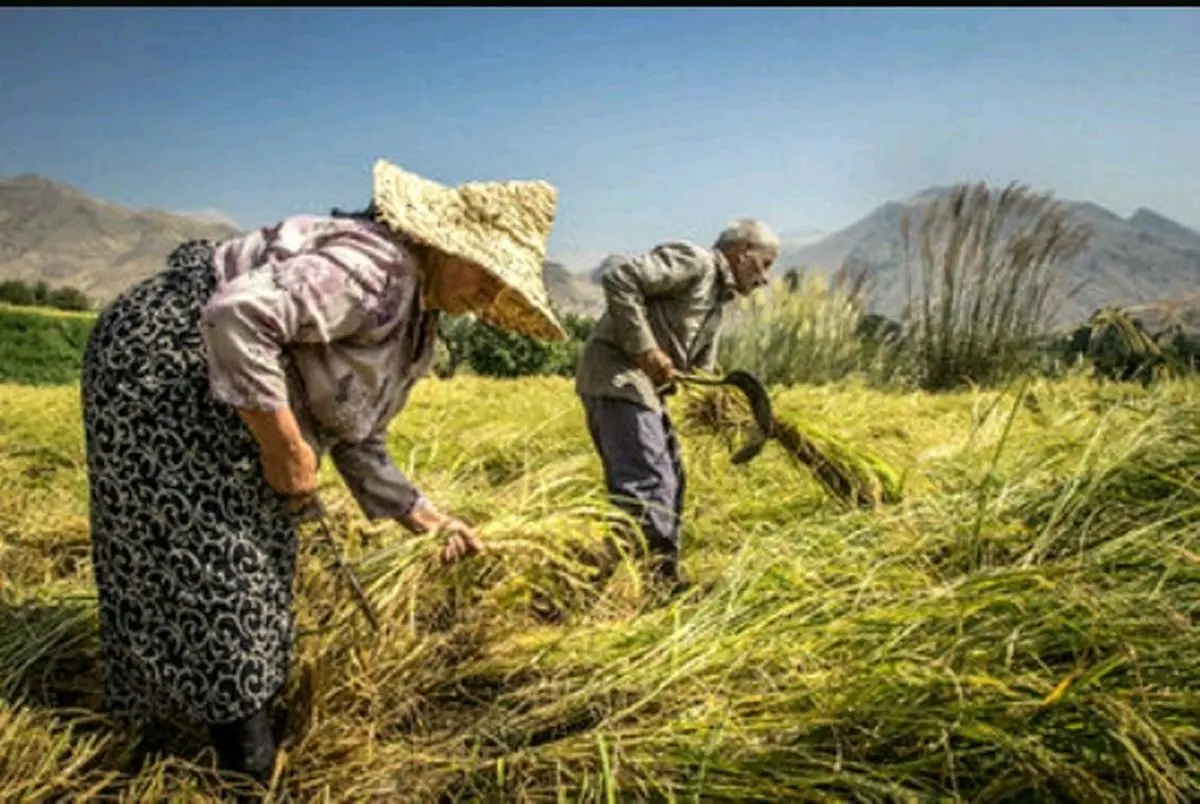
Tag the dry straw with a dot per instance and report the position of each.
(501, 227)
(1022, 626)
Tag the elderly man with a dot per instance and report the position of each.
(664, 315)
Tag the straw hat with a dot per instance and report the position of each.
(499, 227)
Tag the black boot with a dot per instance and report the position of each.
(247, 746)
(667, 575)
(153, 743)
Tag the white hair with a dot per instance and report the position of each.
(748, 231)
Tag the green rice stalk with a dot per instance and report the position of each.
(852, 476)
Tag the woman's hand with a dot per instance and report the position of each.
(461, 540)
(289, 463)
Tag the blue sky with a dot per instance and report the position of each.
(653, 124)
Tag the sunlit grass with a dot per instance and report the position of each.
(1021, 624)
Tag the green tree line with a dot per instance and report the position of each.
(40, 294)
(467, 344)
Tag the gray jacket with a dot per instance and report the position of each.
(672, 297)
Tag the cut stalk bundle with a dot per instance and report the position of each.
(853, 476)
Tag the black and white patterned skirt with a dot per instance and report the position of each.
(194, 554)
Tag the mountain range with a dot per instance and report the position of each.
(1140, 261)
(55, 233)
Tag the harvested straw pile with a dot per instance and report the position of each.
(851, 476)
(1023, 626)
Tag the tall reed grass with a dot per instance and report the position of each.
(981, 280)
(980, 271)
(800, 329)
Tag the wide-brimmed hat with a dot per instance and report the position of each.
(500, 227)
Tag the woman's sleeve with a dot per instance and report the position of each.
(318, 296)
(380, 488)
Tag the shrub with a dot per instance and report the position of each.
(1121, 349)
(492, 352)
(21, 294)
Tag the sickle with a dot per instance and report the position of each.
(760, 406)
(314, 510)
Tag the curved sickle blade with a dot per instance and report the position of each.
(760, 407)
(315, 511)
(749, 451)
(760, 400)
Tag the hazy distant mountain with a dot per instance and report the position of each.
(50, 231)
(1148, 220)
(1143, 259)
(53, 232)
(572, 292)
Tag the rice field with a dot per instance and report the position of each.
(1019, 622)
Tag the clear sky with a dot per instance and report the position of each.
(653, 124)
